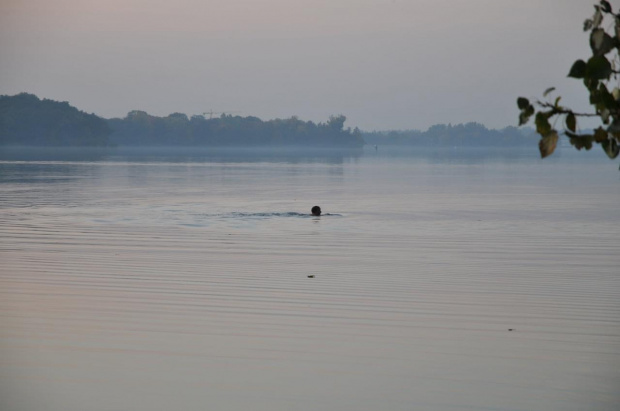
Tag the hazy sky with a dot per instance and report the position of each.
(385, 64)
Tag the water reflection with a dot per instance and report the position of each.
(293, 155)
(474, 155)
(55, 153)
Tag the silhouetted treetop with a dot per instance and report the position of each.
(26, 120)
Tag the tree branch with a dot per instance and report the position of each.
(565, 111)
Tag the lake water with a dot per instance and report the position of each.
(183, 281)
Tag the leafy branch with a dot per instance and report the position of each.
(597, 74)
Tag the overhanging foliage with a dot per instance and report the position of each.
(600, 76)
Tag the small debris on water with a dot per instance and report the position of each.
(311, 276)
(511, 329)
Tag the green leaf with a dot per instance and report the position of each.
(601, 43)
(590, 83)
(604, 114)
(600, 135)
(549, 90)
(526, 114)
(614, 128)
(603, 99)
(579, 142)
(597, 19)
(606, 6)
(522, 103)
(542, 123)
(578, 70)
(548, 143)
(571, 122)
(598, 68)
(607, 101)
(611, 148)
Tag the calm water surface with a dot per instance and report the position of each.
(175, 281)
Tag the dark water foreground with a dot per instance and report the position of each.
(162, 283)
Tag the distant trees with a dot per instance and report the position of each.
(336, 122)
(28, 121)
(460, 135)
(597, 74)
(141, 129)
(25, 120)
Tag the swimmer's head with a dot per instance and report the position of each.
(316, 210)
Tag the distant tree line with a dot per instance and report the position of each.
(460, 135)
(141, 129)
(25, 120)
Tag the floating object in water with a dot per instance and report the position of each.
(316, 210)
(511, 329)
(311, 276)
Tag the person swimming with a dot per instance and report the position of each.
(316, 211)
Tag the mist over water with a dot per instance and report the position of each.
(435, 280)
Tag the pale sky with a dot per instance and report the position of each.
(385, 64)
